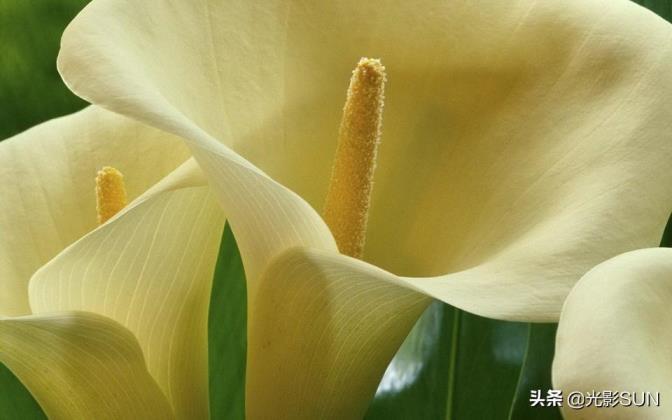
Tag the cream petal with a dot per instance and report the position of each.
(523, 143)
(325, 326)
(149, 268)
(47, 187)
(80, 365)
(265, 216)
(322, 332)
(614, 335)
(266, 222)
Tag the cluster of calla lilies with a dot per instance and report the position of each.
(524, 168)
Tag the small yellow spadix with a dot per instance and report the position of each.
(347, 204)
(110, 193)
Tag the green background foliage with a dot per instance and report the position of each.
(31, 91)
(453, 365)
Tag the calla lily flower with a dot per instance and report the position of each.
(98, 345)
(522, 144)
(613, 339)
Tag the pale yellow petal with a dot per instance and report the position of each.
(321, 334)
(271, 219)
(47, 187)
(523, 142)
(519, 142)
(614, 335)
(80, 366)
(149, 268)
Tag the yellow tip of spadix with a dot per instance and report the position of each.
(110, 193)
(346, 208)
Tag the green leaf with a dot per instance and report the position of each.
(227, 326)
(455, 365)
(536, 374)
(489, 358)
(410, 388)
(15, 400)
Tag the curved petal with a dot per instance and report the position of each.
(321, 335)
(80, 365)
(47, 187)
(266, 217)
(149, 268)
(519, 138)
(614, 335)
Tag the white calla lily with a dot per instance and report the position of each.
(47, 189)
(505, 155)
(523, 144)
(613, 339)
(141, 280)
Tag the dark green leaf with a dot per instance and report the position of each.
(536, 374)
(490, 354)
(456, 365)
(418, 372)
(15, 400)
(227, 326)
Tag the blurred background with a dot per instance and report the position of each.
(31, 91)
